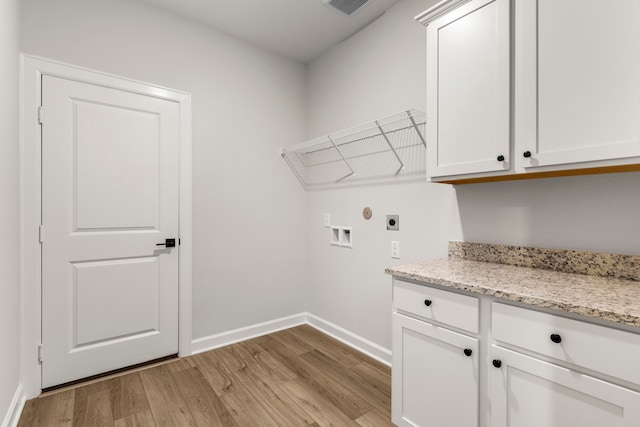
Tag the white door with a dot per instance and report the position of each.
(527, 392)
(109, 196)
(468, 88)
(578, 81)
(435, 375)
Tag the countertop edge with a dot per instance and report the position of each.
(590, 312)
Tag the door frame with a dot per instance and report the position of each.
(32, 69)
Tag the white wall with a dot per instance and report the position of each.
(377, 72)
(9, 206)
(249, 229)
(592, 213)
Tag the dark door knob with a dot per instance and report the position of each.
(527, 154)
(500, 158)
(556, 338)
(427, 302)
(468, 352)
(497, 363)
(169, 243)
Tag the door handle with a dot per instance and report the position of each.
(169, 243)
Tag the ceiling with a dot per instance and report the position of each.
(297, 29)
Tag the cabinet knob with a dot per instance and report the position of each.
(500, 158)
(497, 363)
(527, 154)
(427, 302)
(556, 338)
(468, 351)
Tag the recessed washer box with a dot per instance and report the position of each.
(341, 236)
(335, 235)
(346, 240)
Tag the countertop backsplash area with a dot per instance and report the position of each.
(615, 266)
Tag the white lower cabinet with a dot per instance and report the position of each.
(435, 376)
(529, 392)
(525, 367)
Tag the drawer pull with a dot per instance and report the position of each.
(497, 363)
(526, 154)
(556, 338)
(467, 352)
(427, 302)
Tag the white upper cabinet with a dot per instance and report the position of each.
(577, 80)
(468, 88)
(566, 99)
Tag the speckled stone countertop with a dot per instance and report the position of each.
(607, 298)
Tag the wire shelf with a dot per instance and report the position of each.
(392, 148)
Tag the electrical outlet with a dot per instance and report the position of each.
(395, 249)
(327, 220)
(393, 222)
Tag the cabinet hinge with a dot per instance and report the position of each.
(41, 233)
(40, 351)
(40, 114)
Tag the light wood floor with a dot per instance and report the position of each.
(296, 377)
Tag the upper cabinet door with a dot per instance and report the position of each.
(468, 86)
(577, 82)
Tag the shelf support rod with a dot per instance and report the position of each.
(384, 135)
(343, 159)
(415, 126)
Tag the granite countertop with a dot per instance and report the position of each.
(607, 298)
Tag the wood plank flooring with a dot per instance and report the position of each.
(296, 377)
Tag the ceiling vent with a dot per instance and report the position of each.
(345, 6)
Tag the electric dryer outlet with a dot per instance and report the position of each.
(393, 222)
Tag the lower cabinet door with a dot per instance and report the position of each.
(528, 392)
(434, 376)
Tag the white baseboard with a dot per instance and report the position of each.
(15, 408)
(363, 345)
(225, 338)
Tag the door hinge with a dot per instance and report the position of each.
(40, 353)
(41, 233)
(40, 114)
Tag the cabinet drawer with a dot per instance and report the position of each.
(460, 311)
(609, 351)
